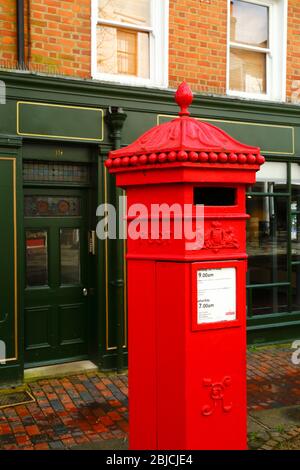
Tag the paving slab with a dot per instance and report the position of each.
(88, 410)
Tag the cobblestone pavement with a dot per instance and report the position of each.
(89, 409)
(273, 380)
(68, 411)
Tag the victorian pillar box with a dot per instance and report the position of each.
(186, 282)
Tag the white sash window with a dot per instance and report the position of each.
(257, 48)
(130, 41)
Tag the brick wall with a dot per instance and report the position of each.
(58, 36)
(197, 44)
(59, 40)
(7, 32)
(293, 52)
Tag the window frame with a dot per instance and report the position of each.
(158, 46)
(275, 54)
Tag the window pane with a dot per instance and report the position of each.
(127, 52)
(47, 206)
(123, 52)
(129, 11)
(296, 287)
(267, 239)
(70, 255)
(54, 172)
(295, 210)
(247, 71)
(249, 23)
(36, 258)
(271, 178)
(269, 300)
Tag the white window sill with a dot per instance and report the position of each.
(127, 80)
(253, 96)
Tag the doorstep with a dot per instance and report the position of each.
(59, 370)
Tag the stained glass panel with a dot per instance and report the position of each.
(51, 206)
(56, 172)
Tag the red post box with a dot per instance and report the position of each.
(187, 306)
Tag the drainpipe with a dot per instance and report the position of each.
(20, 34)
(115, 119)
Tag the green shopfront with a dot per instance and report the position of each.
(63, 291)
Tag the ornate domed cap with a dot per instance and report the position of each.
(184, 138)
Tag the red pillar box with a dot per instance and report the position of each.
(187, 305)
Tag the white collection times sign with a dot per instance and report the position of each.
(216, 295)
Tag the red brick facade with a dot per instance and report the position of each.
(293, 51)
(57, 40)
(197, 44)
(57, 37)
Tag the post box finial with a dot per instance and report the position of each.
(184, 98)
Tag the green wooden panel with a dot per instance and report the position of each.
(272, 139)
(59, 121)
(8, 271)
(57, 151)
(56, 311)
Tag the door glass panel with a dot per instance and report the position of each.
(70, 256)
(266, 301)
(267, 239)
(36, 258)
(295, 212)
(48, 206)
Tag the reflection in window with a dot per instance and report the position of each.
(248, 71)
(295, 213)
(70, 255)
(36, 258)
(249, 23)
(266, 301)
(249, 26)
(124, 49)
(296, 287)
(271, 178)
(267, 239)
(123, 52)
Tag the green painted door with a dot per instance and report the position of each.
(56, 263)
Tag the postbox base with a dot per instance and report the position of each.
(187, 381)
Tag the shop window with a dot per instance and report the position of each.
(273, 240)
(130, 41)
(268, 241)
(295, 235)
(295, 213)
(257, 48)
(268, 300)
